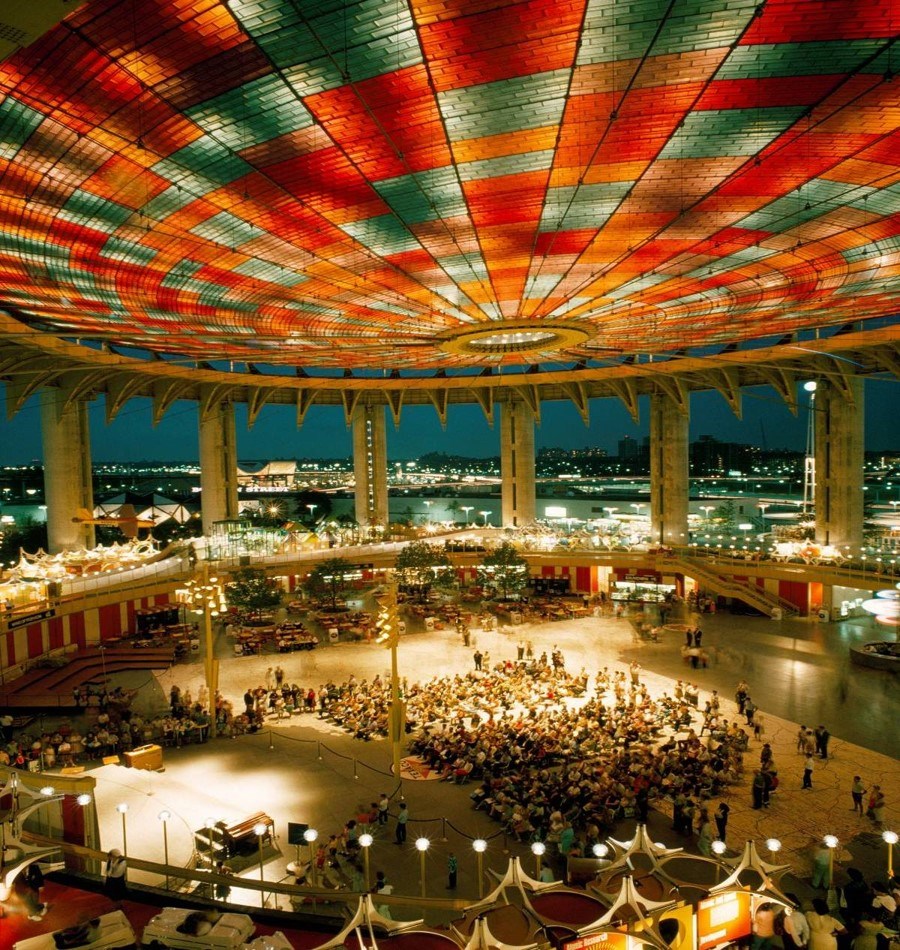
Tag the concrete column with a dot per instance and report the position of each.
(517, 463)
(68, 484)
(370, 465)
(669, 488)
(218, 466)
(839, 433)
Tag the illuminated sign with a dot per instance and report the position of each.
(723, 919)
(608, 941)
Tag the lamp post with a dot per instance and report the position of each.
(537, 849)
(466, 509)
(312, 511)
(422, 845)
(122, 809)
(890, 838)
(206, 595)
(365, 842)
(388, 625)
(762, 513)
(310, 836)
(259, 830)
(718, 848)
(831, 842)
(479, 846)
(164, 817)
(484, 514)
(210, 823)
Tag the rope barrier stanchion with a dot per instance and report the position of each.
(443, 829)
(271, 742)
(505, 844)
(319, 751)
(355, 769)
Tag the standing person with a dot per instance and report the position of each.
(857, 790)
(749, 710)
(742, 691)
(223, 889)
(721, 819)
(688, 637)
(383, 805)
(29, 895)
(807, 772)
(758, 789)
(477, 656)
(116, 869)
(795, 926)
(801, 740)
(876, 805)
(823, 928)
(822, 737)
(821, 876)
(402, 819)
(763, 926)
(698, 637)
(452, 866)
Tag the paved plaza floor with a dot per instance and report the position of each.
(305, 770)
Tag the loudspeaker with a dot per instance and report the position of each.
(110, 760)
(295, 832)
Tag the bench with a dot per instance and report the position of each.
(239, 836)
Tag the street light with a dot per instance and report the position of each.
(466, 509)
(312, 511)
(365, 842)
(164, 817)
(773, 844)
(537, 849)
(890, 838)
(422, 845)
(206, 595)
(259, 829)
(831, 842)
(479, 846)
(209, 824)
(309, 836)
(122, 809)
(388, 625)
(484, 514)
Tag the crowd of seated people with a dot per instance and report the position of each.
(585, 764)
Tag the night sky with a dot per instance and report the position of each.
(131, 437)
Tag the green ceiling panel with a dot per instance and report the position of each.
(796, 59)
(17, 122)
(729, 132)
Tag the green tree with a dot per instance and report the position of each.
(251, 590)
(421, 566)
(328, 580)
(504, 570)
(27, 534)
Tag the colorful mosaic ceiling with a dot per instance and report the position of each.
(441, 184)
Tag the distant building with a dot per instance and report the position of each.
(709, 456)
(629, 448)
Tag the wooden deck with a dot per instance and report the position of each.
(51, 687)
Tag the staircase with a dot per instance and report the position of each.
(762, 600)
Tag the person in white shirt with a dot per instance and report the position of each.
(796, 926)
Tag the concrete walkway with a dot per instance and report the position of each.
(795, 670)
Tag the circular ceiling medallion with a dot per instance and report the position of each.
(512, 336)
